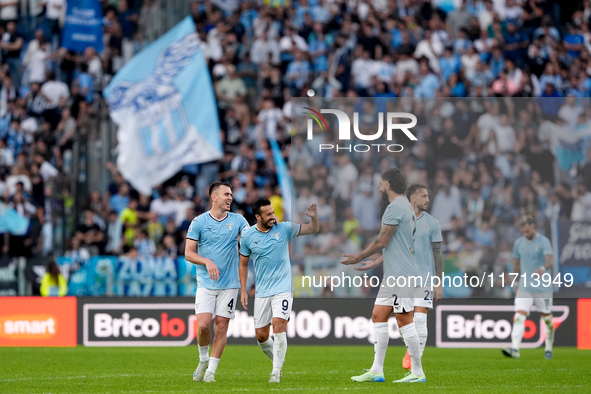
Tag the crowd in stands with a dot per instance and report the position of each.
(485, 160)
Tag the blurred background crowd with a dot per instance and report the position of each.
(486, 154)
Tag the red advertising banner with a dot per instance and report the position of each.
(38, 321)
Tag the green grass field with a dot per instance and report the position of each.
(307, 369)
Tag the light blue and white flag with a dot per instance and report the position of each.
(11, 222)
(164, 104)
(283, 178)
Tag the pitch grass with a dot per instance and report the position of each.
(307, 369)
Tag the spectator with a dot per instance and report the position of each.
(53, 284)
(120, 200)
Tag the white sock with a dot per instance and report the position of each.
(279, 350)
(204, 353)
(420, 320)
(213, 365)
(518, 330)
(267, 347)
(381, 337)
(549, 332)
(411, 338)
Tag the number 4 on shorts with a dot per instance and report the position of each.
(231, 304)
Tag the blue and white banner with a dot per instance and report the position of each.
(11, 222)
(283, 178)
(568, 145)
(83, 27)
(120, 276)
(164, 104)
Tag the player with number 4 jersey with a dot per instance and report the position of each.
(267, 242)
(212, 244)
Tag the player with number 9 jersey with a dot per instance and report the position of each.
(267, 243)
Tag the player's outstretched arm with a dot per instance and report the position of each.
(192, 257)
(314, 225)
(380, 243)
(243, 274)
(438, 259)
(371, 264)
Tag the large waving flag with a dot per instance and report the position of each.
(283, 178)
(163, 102)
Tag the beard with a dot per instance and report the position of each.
(268, 224)
(385, 197)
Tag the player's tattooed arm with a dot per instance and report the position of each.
(378, 244)
(438, 259)
(370, 264)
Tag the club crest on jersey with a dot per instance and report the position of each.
(229, 226)
(276, 235)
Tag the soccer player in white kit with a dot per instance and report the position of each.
(398, 287)
(429, 261)
(212, 244)
(267, 242)
(533, 257)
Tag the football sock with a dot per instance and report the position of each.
(421, 326)
(203, 353)
(381, 337)
(279, 350)
(549, 332)
(411, 338)
(518, 329)
(267, 347)
(213, 364)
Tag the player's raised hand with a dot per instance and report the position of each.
(368, 265)
(244, 299)
(312, 211)
(350, 259)
(212, 269)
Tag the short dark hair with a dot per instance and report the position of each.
(261, 202)
(396, 180)
(525, 220)
(216, 185)
(414, 188)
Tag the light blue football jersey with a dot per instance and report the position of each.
(428, 231)
(532, 256)
(217, 240)
(399, 253)
(270, 252)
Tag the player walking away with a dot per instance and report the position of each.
(267, 242)
(533, 257)
(398, 288)
(212, 244)
(429, 261)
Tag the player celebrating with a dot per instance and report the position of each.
(429, 261)
(212, 244)
(533, 257)
(398, 288)
(267, 242)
